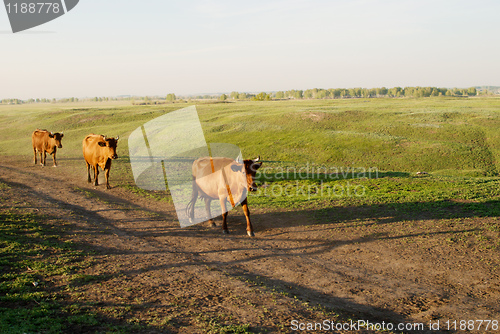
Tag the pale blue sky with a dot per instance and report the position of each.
(111, 47)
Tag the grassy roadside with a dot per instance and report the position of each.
(37, 270)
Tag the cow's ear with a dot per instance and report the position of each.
(102, 144)
(62, 135)
(51, 135)
(257, 166)
(236, 168)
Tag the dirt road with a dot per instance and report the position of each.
(383, 267)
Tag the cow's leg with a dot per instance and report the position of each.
(96, 175)
(192, 202)
(35, 153)
(107, 168)
(106, 174)
(44, 157)
(54, 158)
(89, 167)
(224, 215)
(244, 204)
(207, 209)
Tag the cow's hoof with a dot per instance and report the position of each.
(250, 234)
(190, 220)
(225, 231)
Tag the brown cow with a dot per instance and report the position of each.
(46, 142)
(98, 151)
(226, 180)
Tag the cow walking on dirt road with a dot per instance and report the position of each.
(46, 142)
(98, 151)
(226, 180)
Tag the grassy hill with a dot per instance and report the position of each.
(452, 136)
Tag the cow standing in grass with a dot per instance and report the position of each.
(98, 151)
(226, 180)
(46, 142)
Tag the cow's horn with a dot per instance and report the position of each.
(117, 137)
(258, 158)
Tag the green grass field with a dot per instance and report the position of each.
(316, 152)
(446, 136)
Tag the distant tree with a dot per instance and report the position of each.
(234, 95)
(223, 97)
(322, 94)
(294, 94)
(280, 95)
(333, 93)
(427, 91)
(242, 96)
(171, 97)
(409, 91)
(382, 91)
(395, 92)
(472, 91)
(262, 97)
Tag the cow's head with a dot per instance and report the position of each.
(57, 137)
(251, 167)
(109, 146)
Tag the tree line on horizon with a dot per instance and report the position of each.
(339, 93)
(315, 93)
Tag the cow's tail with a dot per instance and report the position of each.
(190, 205)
